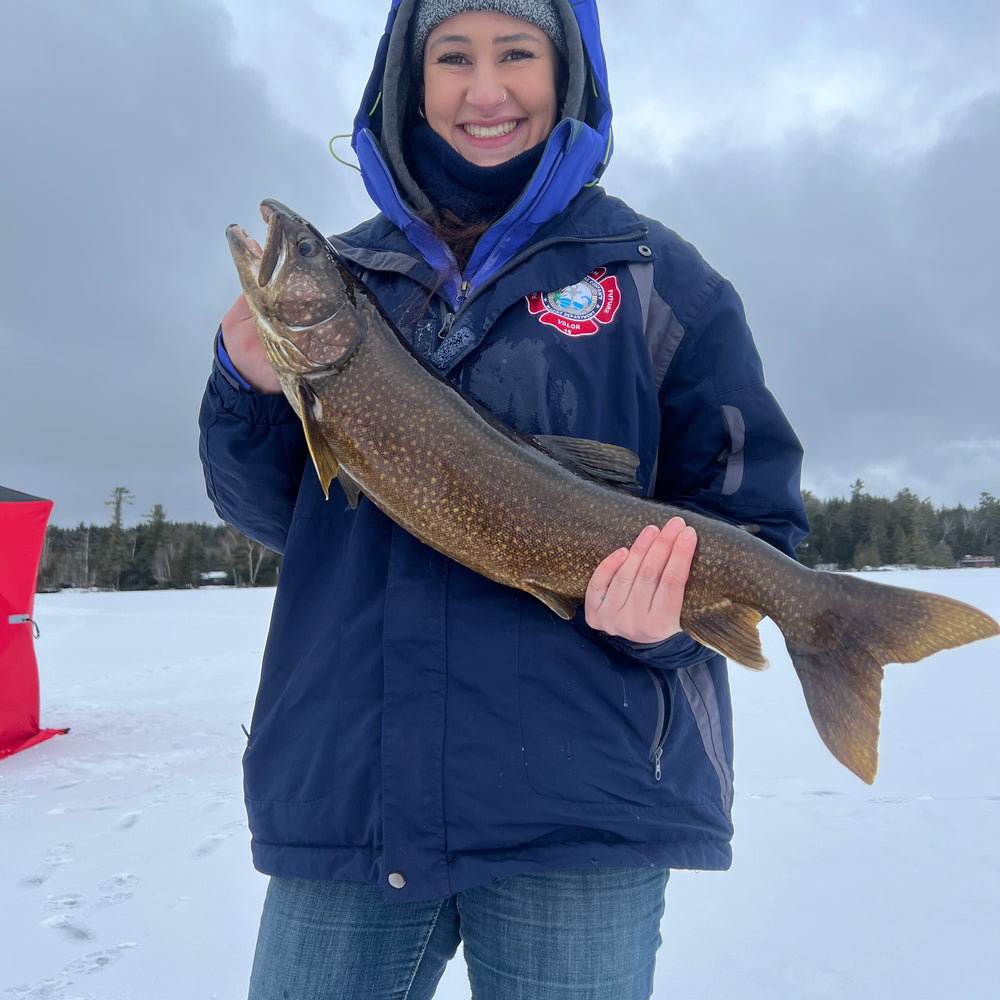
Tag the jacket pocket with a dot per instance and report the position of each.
(592, 726)
(294, 761)
(664, 717)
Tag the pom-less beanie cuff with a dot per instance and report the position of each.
(428, 14)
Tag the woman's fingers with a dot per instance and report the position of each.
(637, 593)
(668, 597)
(630, 573)
(597, 587)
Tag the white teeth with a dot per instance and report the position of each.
(491, 131)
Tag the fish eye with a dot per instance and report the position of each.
(307, 247)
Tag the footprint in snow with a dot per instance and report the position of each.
(64, 901)
(69, 927)
(117, 881)
(59, 854)
(209, 846)
(97, 960)
(128, 821)
(46, 989)
(118, 888)
(33, 881)
(55, 856)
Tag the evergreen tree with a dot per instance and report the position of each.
(878, 542)
(810, 550)
(941, 555)
(154, 553)
(917, 517)
(900, 546)
(115, 551)
(988, 525)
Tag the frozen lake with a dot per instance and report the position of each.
(126, 871)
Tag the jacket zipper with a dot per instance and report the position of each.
(664, 717)
(466, 295)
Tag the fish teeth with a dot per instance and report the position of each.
(490, 131)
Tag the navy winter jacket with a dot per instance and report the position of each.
(415, 719)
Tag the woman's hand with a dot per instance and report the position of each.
(636, 593)
(239, 337)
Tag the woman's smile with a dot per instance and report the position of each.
(490, 131)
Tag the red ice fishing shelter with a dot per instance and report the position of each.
(22, 532)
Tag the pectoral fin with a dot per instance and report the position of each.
(558, 603)
(311, 410)
(729, 629)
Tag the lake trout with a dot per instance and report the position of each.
(540, 513)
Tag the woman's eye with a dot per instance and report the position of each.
(518, 54)
(452, 59)
(307, 247)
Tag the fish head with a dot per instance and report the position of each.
(300, 293)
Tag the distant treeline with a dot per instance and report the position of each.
(847, 533)
(866, 530)
(156, 554)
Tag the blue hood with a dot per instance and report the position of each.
(576, 154)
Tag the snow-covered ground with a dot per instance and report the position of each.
(124, 861)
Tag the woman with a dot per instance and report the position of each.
(435, 758)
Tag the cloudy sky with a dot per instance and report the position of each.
(838, 161)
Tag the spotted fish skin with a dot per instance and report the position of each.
(540, 514)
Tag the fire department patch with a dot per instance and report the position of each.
(579, 310)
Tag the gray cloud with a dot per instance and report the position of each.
(836, 161)
(131, 140)
(869, 283)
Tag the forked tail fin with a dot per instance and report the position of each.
(840, 636)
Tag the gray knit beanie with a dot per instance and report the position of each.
(428, 14)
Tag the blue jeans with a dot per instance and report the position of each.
(576, 935)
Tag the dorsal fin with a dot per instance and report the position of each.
(608, 463)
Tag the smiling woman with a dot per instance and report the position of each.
(490, 86)
(424, 735)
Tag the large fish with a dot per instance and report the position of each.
(540, 513)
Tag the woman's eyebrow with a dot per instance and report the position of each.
(450, 40)
(523, 36)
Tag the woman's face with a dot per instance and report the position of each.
(490, 85)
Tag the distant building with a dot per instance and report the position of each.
(214, 579)
(977, 562)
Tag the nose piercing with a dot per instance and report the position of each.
(504, 98)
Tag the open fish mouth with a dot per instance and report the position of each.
(274, 246)
(262, 262)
